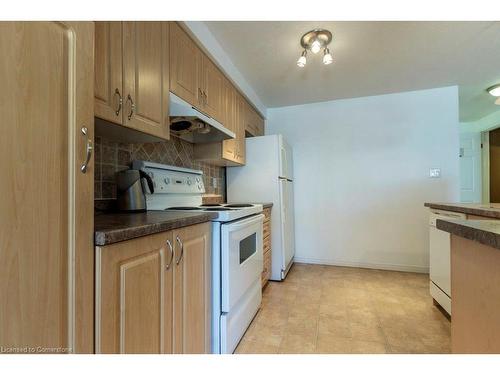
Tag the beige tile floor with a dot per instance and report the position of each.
(326, 309)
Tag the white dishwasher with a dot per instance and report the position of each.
(440, 280)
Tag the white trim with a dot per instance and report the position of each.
(377, 266)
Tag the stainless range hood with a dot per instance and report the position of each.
(190, 124)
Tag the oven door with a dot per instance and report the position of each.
(242, 258)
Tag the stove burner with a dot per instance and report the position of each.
(183, 208)
(211, 205)
(238, 205)
(217, 209)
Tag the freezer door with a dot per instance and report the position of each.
(287, 223)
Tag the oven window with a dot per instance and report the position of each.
(248, 246)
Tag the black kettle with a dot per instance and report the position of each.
(131, 189)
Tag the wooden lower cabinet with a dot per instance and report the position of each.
(134, 296)
(153, 293)
(266, 272)
(192, 289)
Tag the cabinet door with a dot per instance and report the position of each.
(108, 88)
(185, 66)
(146, 77)
(46, 205)
(240, 133)
(134, 296)
(212, 89)
(227, 104)
(229, 145)
(192, 280)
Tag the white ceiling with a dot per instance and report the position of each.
(370, 58)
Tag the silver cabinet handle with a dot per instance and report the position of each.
(132, 106)
(182, 250)
(120, 101)
(205, 97)
(88, 151)
(171, 254)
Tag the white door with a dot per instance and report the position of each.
(470, 167)
(287, 224)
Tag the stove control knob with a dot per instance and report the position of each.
(197, 179)
(189, 181)
(199, 186)
(167, 180)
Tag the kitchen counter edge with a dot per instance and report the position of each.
(467, 208)
(486, 232)
(111, 228)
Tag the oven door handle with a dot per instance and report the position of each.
(241, 223)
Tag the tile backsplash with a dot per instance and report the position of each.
(112, 156)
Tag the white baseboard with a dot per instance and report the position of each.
(377, 266)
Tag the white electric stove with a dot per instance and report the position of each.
(237, 248)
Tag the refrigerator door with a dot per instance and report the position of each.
(287, 225)
(286, 161)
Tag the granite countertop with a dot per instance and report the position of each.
(486, 232)
(115, 227)
(480, 209)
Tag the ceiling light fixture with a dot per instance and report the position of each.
(494, 90)
(302, 61)
(327, 58)
(316, 40)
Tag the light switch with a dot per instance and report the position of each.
(214, 182)
(435, 172)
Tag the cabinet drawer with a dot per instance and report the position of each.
(267, 228)
(267, 244)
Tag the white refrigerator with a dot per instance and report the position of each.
(267, 177)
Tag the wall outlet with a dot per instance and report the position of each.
(435, 172)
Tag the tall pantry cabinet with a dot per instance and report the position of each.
(46, 209)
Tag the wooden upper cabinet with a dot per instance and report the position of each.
(240, 132)
(185, 66)
(212, 87)
(108, 87)
(254, 124)
(134, 296)
(227, 111)
(46, 227)
(146, 77)
(192, 289)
